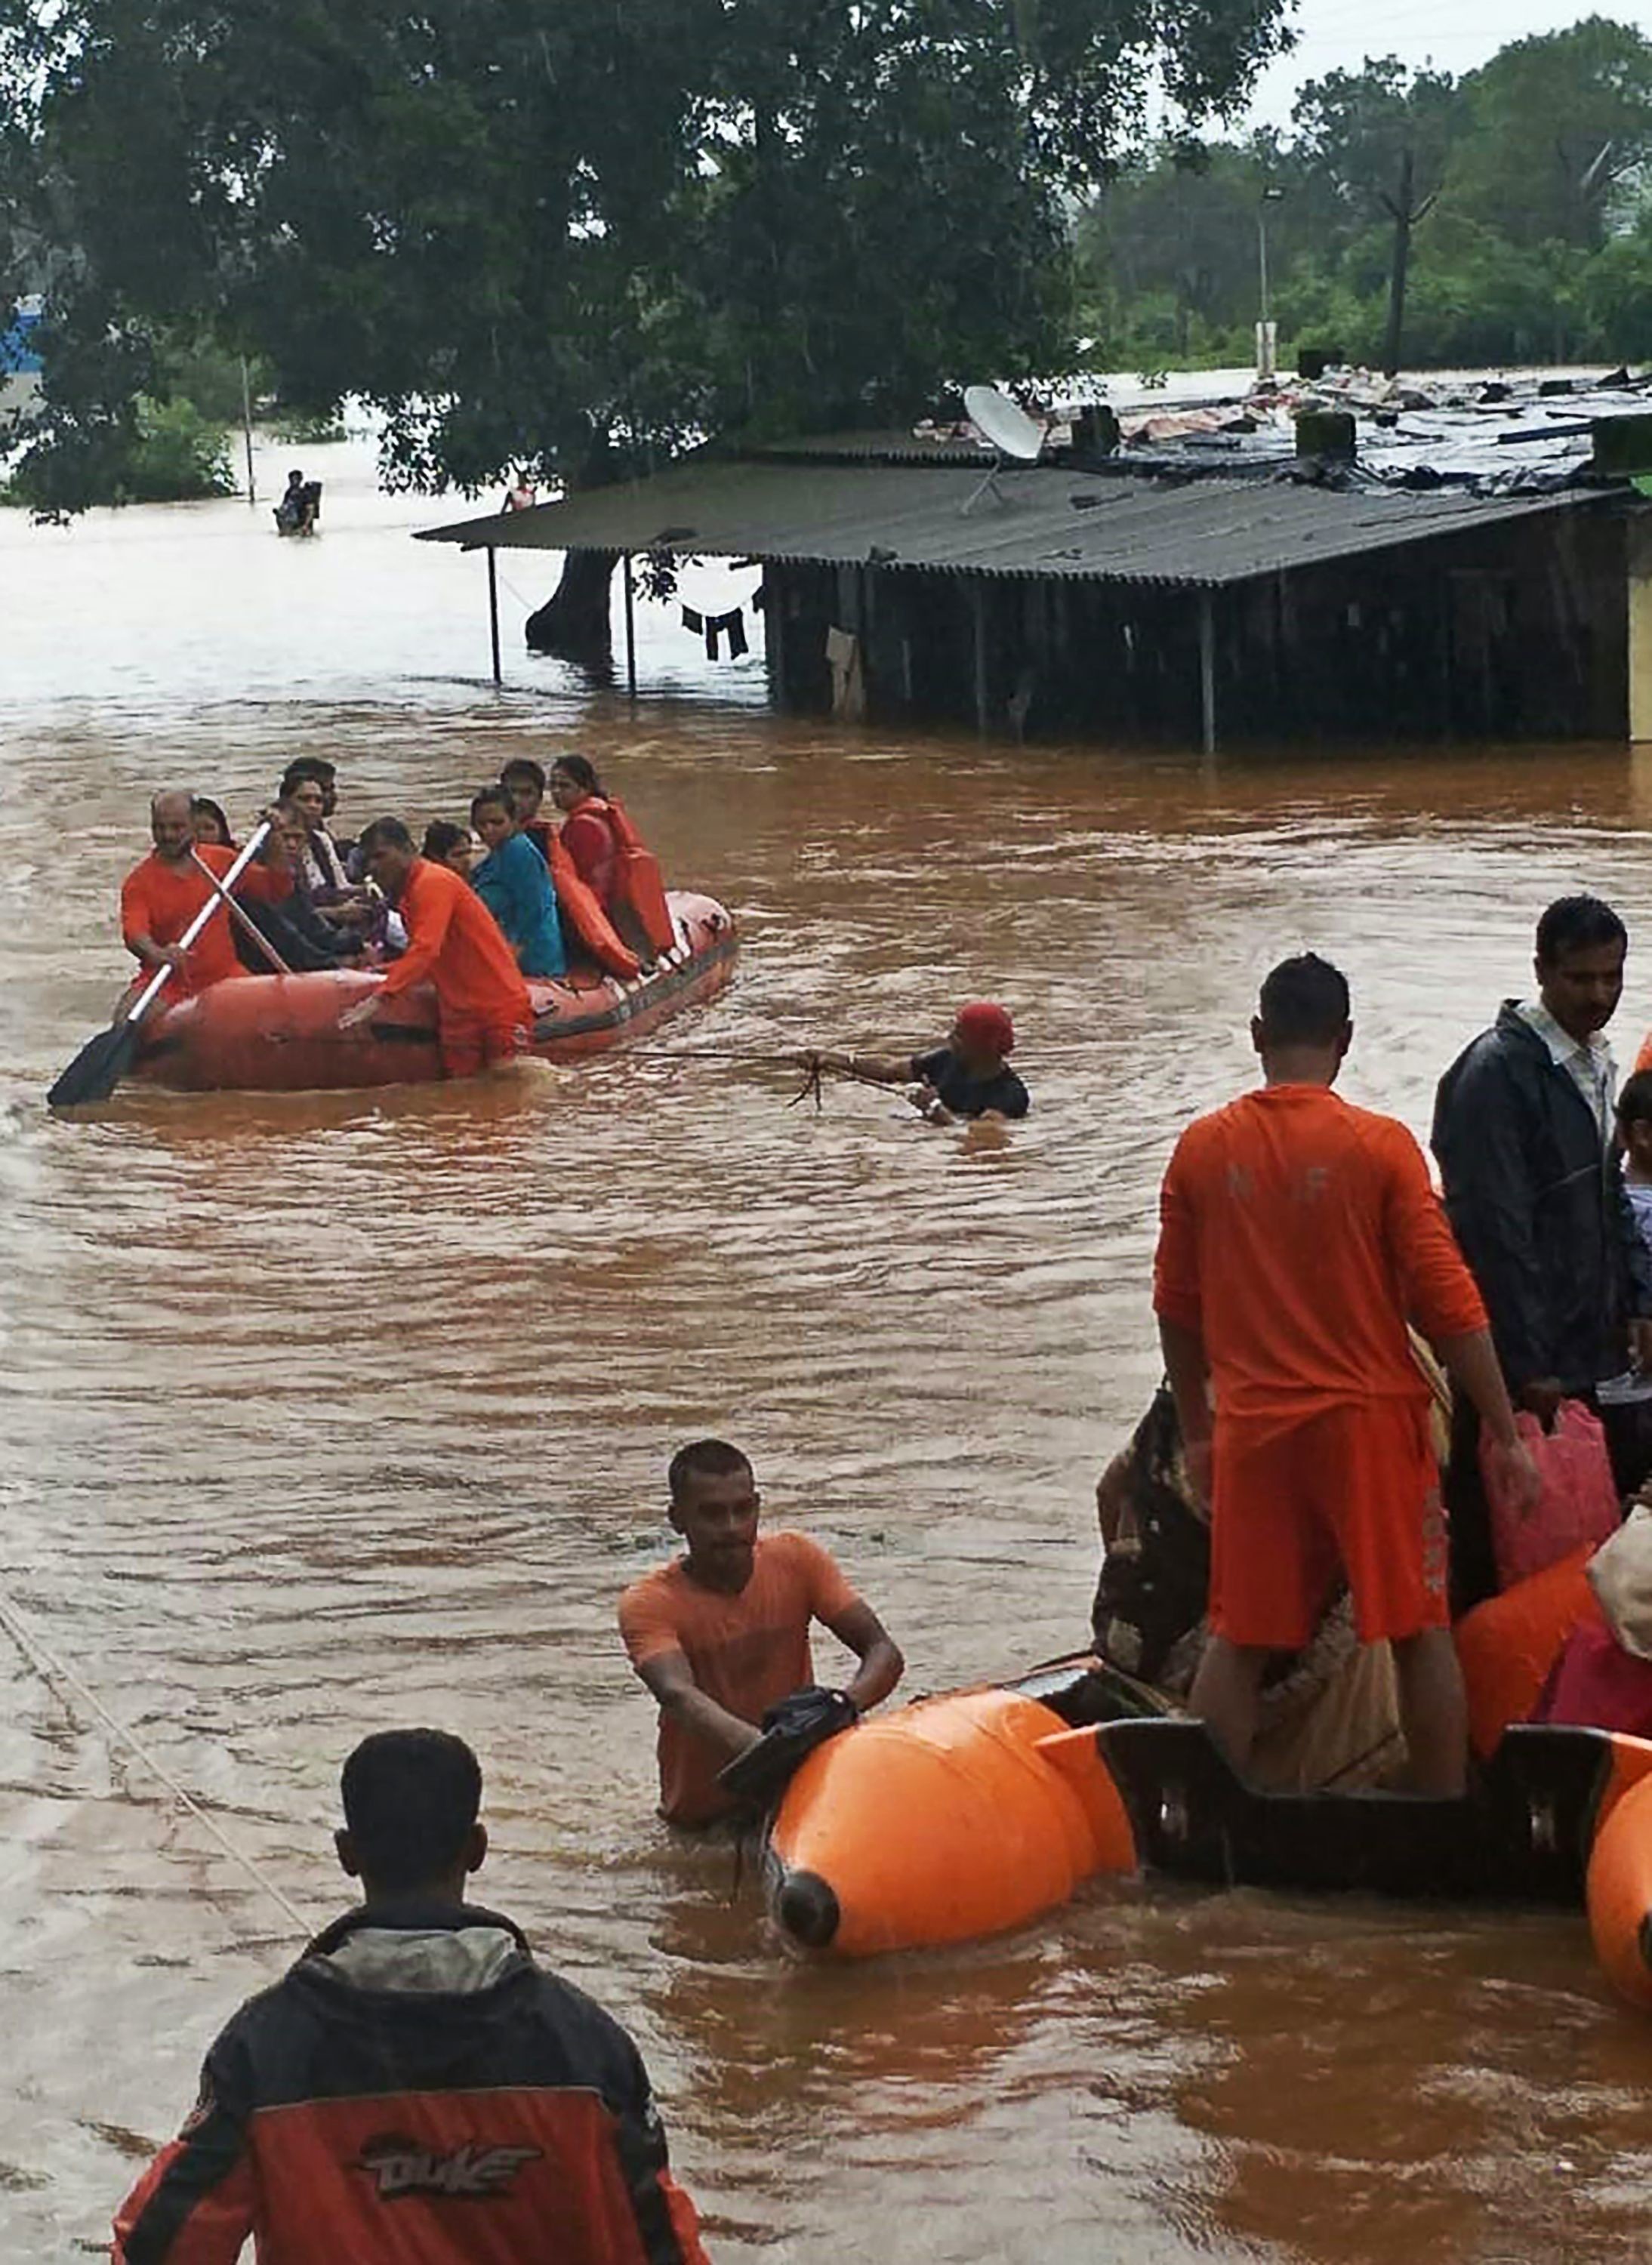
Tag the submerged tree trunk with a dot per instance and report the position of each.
(575, 622)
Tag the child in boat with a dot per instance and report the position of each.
(968, 1076)
(721, 1633)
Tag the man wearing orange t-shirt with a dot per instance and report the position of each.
(160, 898)
(1298, 1237)
(454, 943)
(721, 1633)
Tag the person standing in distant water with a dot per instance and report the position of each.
(969, 1076)
(1297, 1236)
(485, 1016)
(721, 1635)
(513, 882)
(161, 896)
(587, 832)
(522, 495)
(1524, 1133)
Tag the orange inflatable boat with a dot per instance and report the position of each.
(955, 1816)
(279, 1033)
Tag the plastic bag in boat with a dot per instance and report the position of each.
(1579, 1502)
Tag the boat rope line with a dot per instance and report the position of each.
(51, 1670)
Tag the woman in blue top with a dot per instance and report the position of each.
(515, 885)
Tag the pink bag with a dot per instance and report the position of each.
(1579, 1502)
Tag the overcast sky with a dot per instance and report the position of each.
(1452, 35)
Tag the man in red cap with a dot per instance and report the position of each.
(968, 1076)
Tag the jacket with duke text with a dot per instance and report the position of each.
(415, 2091)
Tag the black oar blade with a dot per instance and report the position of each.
(98, 1069)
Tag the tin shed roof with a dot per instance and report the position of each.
(1202, 533)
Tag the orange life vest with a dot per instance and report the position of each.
(639, 887)
(584, 918)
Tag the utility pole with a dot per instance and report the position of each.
(246, 427)
(1405, 217)
(1265, 358)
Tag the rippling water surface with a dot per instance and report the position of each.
(322, 1413)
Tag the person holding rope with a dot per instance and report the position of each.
(416, 2087)
(969, 1076)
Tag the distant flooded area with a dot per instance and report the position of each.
(327, 1413)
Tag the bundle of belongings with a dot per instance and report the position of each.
(1603, 1677)
(1330, 1715)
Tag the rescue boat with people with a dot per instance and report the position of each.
(979, 1810)
(279, 1033)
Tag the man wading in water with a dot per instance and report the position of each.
(1299, 1235)
(969, 1076)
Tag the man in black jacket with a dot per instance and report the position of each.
(416, 2091)
(1522, 1130)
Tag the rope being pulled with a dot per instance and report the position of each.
(51, 1669)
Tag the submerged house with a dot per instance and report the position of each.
(1194, 595)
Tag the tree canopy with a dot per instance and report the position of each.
(1532, 231)
(562, 232)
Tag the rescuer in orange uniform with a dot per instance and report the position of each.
(721, 1635)
(455, 943)
(160, 898)
(1299, 1235)
(416, 2091)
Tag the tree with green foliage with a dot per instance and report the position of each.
(1380, 140)
(574, 233)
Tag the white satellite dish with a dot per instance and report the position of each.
(1014, 437)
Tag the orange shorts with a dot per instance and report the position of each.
(468, 1047)
(1354, 1488)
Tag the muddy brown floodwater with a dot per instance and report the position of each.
(326, 1413)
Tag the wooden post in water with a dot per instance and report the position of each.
(978, 594)
(1207, 669)
(246, 427)
(494, 612)
(630, 630)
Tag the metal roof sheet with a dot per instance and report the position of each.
(1205, 531)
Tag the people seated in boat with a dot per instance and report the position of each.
(299, 507)
(161, 895)
(304, 790)
(1297, 1234)
(211, 826)
(513, 882)
(524, 783)
(446, 2095)
(721, 1635)
(455, 847)
(484, 1016)
(586, 832)
(300, 938)
(969, 1076)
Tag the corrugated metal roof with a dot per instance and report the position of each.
(1203, 533)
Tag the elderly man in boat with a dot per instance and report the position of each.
(485, 1016)
(161, 895)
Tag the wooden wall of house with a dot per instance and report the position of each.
(1514, 631)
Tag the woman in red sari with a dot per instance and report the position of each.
(588, 829)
